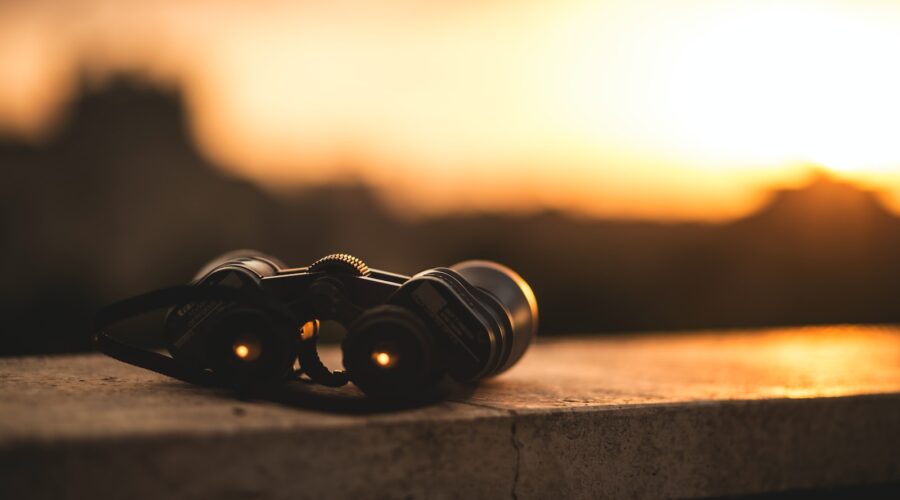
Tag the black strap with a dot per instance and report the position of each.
(315, 369)
(167, 297)
(326, 290)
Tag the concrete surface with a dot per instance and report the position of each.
(718, 413)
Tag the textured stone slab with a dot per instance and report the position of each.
(651, 415)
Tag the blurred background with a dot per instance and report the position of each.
(644, 165)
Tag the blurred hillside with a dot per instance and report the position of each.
(119, 202)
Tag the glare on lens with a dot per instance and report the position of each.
(246, 348)
(382, 359)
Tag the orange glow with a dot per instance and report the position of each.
(309, 329)
(619, 108)
(780, 363)
(241, 351)
(382, 359)
(246, 347)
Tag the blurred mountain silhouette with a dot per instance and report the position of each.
(119, 202)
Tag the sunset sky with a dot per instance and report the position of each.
(668, 110)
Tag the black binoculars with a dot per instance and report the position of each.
(247, 321)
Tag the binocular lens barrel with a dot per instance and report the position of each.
(514, 294)
(470, 321)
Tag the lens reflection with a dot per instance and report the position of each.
(383, 359)
(246, 347)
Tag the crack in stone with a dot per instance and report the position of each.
(514, 438)
(518, 447)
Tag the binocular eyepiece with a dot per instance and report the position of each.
(248, 321)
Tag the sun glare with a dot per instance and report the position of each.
(812, 82)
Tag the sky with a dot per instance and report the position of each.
(682, 110)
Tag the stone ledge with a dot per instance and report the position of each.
(726, 413)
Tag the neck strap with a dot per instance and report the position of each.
(164, 298)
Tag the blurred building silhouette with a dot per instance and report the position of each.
(119, 201)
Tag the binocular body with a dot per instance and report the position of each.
(249, 321)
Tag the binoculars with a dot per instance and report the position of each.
(249, 322)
